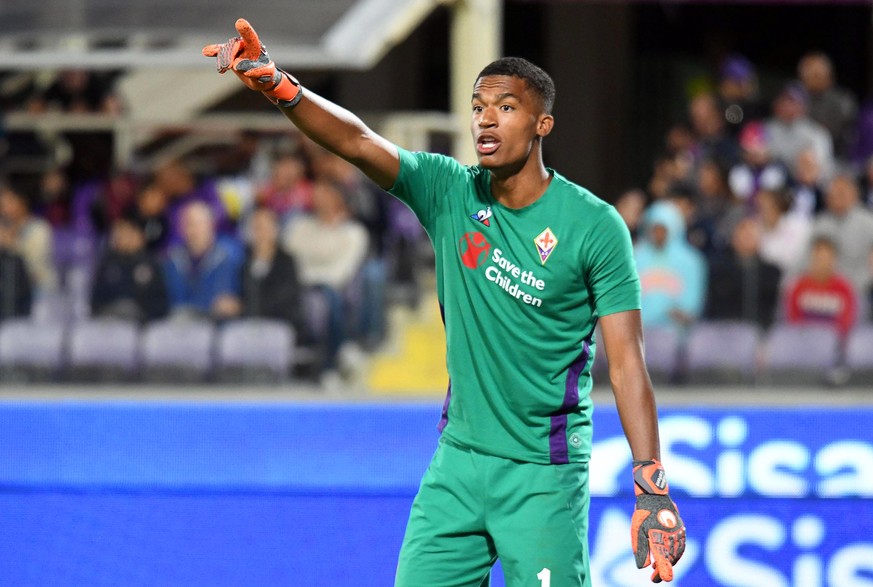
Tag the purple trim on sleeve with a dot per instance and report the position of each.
(444, 419)
(559, 453)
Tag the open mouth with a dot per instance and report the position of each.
(487, 145)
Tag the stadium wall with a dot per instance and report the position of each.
(201, 492)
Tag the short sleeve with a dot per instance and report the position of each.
(423, 182)
(611, 270)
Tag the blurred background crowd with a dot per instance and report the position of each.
(758, 209)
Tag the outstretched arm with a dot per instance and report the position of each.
(331, 126)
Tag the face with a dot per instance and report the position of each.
(264, 228)
(127, 239)
(788, 109)
(11, 206)
(823, 260)
(842, 196)
(197, 229)
(630, 206)
(287, 172)
(507, 122)
(745, 238)
(815, 73)
(709, 180)
(704, 114)
(808, 169)
(658, 234)
(327, 201)
(769, 207)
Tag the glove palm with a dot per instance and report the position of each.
(657, 531)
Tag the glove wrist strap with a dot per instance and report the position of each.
(286, 93)
(649, 477)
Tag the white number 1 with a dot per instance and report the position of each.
(545, 577)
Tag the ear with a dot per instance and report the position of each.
(545, 122)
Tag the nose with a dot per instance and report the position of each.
(487, 118)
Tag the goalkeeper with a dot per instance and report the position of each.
(527, 263)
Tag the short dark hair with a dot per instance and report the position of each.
(825, 241)
(536, 79)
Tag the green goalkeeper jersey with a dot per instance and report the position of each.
(521, 291)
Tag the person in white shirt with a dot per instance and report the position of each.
(329, 247)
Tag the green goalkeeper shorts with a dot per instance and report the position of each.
(472, 509)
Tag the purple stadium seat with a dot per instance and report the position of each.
(53, 308)
(722, 352)
(859, 354)
(104, 350)
(663, 346)
(177, 350)
(31, 350)
(255, 350)
(800, 354)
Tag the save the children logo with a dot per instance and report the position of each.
(473, 249)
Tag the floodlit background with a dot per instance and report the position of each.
(221, 354)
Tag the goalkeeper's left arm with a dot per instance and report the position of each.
(657, 531)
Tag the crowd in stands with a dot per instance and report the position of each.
(759, 208)
(273, 229)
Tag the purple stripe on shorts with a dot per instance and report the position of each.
(444, 419)
(559, 453)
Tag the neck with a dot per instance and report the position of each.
(521, 187)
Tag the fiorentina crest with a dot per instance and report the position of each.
(546, 242)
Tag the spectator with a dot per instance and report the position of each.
(758, 169)
(77, 91)
(869, 302)
(150, 211)
(833, 107)
(55, 198)
(850, 227)
(784, 236)
(821, 294)
(181, 188)
(866, 196)
(717, 211)
(631, 205)
(33, 239)
(666, 170)
(270, 286)
(388, 225)
(738, 93)
(790, 131)
(289, 191)
(129, 281)
(808, 194)
(202, 273)
(742, 285)
(329, 247)
(15, 291)
(713, 141)
(672, 272)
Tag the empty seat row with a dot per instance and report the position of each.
(742, 353)
(168, 350)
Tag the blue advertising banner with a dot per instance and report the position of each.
(197, 493)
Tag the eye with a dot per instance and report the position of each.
(506, 108)
(477, 109)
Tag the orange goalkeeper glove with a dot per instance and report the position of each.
(248, 59)
(657, 531)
